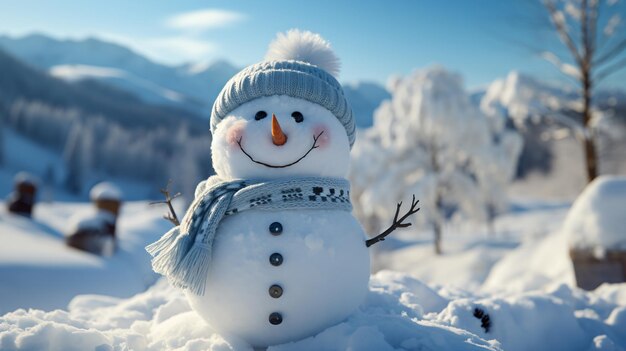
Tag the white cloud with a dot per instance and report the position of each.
(201, 20)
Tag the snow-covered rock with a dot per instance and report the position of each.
(597, 219)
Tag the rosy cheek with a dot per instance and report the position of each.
(324, 135)
(234, 134)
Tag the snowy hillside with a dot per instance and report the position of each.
(96, 131)
(37, 270)
(189, 86)
(23, 82)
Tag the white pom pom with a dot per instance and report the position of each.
(304, 46)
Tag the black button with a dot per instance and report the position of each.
(276, 318)
(276, 291)
(276, 228)
(276, 259)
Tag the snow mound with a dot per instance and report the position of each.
(304, 46)
(105, 191)
(546, 265)
(400, 312)
(597, 220)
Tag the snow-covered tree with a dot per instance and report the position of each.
(184, 170)
(75, 160)
(431, 140)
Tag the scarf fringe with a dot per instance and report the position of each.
(166, 241)
(191, 273)
(166, 261)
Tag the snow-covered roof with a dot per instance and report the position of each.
(105, 191)
(25, 178)
(598, 218)
(89, 219)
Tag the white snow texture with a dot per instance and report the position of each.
(304, 46)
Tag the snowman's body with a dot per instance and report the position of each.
(325, 267)
(322, 278)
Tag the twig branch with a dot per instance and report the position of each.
(612, 52)
(561, 29)
(171, 215)
(611, 69)
(397, 223)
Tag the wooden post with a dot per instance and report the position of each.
(591, 271)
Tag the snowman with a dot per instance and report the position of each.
(269, 251)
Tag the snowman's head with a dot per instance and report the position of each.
(279, 136)
(285, 116)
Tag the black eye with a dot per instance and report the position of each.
(297, 116)
(260, 115)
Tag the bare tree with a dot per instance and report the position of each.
(593, 55)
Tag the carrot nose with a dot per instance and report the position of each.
(278, 137)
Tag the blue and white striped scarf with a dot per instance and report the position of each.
(184, 253)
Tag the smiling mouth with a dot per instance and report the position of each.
(314, 146)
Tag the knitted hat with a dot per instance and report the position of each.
(298, 64)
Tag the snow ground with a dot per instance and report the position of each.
(400, 313)
(532, 306)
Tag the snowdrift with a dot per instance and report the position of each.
(400, 312)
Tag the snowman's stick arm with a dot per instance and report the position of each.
(171, 215)
(397, 223)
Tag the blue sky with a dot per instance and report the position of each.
(481, 39)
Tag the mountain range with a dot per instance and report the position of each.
(21, 81)
(192, 87)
